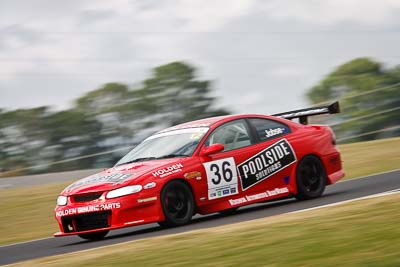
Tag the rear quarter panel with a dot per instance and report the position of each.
(317, 140)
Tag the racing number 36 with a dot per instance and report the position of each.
(221, 172)
(225, 172)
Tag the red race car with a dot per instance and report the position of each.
(211, 165)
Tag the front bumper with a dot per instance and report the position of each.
(107, 214)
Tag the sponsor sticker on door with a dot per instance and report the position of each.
(266, 163)
(222, 178)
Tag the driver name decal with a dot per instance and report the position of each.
(262, 195)
(266, 163)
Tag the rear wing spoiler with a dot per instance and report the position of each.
(303, 114)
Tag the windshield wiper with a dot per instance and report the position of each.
(137, 160)
(173, 156)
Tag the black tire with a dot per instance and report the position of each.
(177, 203)
(228, 212)
(94, 236)
(310, 178)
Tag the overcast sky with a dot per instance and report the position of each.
(261, 55)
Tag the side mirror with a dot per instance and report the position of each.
(215, 148)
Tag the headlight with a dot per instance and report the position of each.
(123, 191)
(62, 200)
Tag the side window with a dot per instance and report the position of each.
(268, 129)
(232, 135)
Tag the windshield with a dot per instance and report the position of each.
(178, 143)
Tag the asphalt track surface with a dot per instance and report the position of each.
(342, 191)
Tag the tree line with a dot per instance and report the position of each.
(112, 116)
(117, 115)
(369, 95)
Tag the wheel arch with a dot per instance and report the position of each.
(311, 188)
(185, 182)
(318, 157)
(167, 220)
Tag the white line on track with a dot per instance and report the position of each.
(391, 192)
(369, 175)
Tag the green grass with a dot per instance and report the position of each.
(361, 233)
(364, 158)
(27, 213)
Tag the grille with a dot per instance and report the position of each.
(89, 221)
(87, 198)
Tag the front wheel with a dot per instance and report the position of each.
(310, 178)
(177, 203)
(94, 236)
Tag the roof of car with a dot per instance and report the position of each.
(207, 122)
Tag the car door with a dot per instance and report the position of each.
(271, 167)
(221, 168)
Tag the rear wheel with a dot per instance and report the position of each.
(94, 236)
(310, 178)
(177, 203)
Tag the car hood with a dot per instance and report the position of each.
(123, 175)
